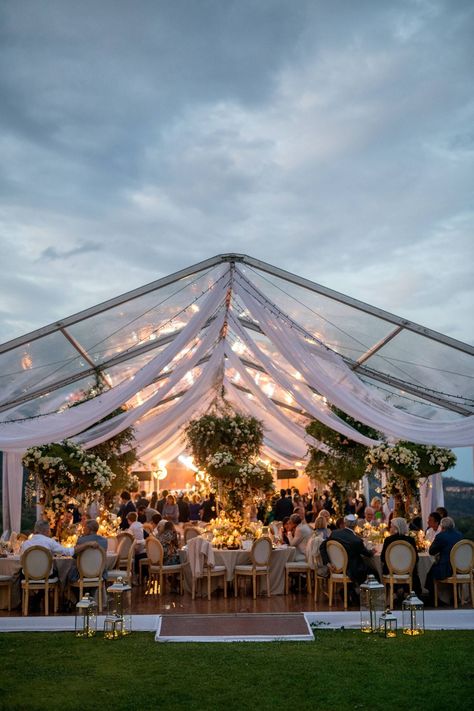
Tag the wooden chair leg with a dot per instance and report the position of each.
(345, 596)
(56, 598)
(391, 594)
(254, 585)
(208, 586)
(455, 591)
(316, 581)
(46, 601)
(225, 586)
(472, 593)
(308, 581)
(330, 592)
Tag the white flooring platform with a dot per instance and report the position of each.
(434, 620)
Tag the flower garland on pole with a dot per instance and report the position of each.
(64, 471)
(228, 447)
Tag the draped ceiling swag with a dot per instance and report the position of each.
(284, 348)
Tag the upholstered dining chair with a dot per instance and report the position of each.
(337, 555)
(201, 562)
(156, 570)
(7, 581)
(191, 532)
(462, 563)
(400, 557)
(90, 564)
(124, 541)
(37, 562)
(300, 567)
(260, 555)
(125, 573)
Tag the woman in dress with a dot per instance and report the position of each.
(170, 509)
(168, 538)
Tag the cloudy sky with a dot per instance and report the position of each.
(333, 139)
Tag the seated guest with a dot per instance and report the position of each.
(66, 526)
(399, 532)
(168, 538)
(141, 514)
(441, 547)
(361, 504)
(416, 524)
(321, 529)
(369, 517)
(284, 530)
(42, 537)
(170, 510)
(126, 506)
(90, 539)
(327, 517)
(377, 506)
(149, 511)
(357, 568)
(434, 519)
(155, 520)
(442, 511)
(298, 533)
(340, 524)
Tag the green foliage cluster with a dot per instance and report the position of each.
(237, 434)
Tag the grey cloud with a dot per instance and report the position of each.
(52, 253)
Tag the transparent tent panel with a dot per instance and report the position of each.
(341, 327)
(54, 401)
(128, 369)
(37, 364)
(420, 360)
(141, 320)
(410, 403)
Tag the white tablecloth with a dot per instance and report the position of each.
(12, 566)
(231, 558)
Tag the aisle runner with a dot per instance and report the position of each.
(233, 628)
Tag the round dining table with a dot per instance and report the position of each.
(229, 558)
(11, 566)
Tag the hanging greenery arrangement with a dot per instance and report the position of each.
(227, 446)
(405, 465)
(343, 465)
(64, 472)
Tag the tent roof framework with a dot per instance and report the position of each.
(416, 369)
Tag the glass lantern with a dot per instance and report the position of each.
(86, 617)
(118, 621)
(388, 624)
(413, 611)
(372, 604)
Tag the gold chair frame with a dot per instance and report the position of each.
(43, 581)
(461, 575)
(341, 570)
(90, 581)
(257, 568)
(402, 575)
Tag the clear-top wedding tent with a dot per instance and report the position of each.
(280, 347)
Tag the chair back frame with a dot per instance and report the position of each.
(461, 563)
(399, 568)
(91, 562)
(261, 551)
(40, 568)
(191, 532)
(337, 555)
(154, 551)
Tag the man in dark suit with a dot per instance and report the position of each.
(356, 551)
(441, 547)
(283, 506)
(126, 506)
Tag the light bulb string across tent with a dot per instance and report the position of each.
(318, 410)
(58, 426)
(101, 432)
(354, 397)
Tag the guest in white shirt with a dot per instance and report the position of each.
(137, 531)
(433, 526)
(42, 537)
(298, 534)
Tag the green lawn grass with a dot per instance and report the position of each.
(340, 670)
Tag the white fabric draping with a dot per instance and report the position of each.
(12, 491)
(58, 426)
(267, 403)
(330, 376)
(277, 439)
(318, 410)
(431, 496)
(105, 430)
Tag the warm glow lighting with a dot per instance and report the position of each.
(188, 462)
(269, 389)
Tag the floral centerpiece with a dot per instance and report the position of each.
(109, 523)
(405, 465)
(228, 531)
(226, 447)
(372, 533)
(63, 471)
